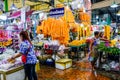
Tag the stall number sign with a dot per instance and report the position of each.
(57, 12)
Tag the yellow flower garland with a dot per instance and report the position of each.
(6, 43)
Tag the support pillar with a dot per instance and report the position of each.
(6, 5)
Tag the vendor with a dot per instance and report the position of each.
(101, 34)
(94, 54)
(102, 37)
(28, 56)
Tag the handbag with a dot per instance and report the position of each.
(24, 56)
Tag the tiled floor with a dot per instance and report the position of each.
(80, 71)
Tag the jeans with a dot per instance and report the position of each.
(30, 71)
(100, 56)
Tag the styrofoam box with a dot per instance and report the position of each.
(63, 64)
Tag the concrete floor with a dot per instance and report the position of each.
(80, 71)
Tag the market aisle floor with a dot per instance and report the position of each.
(80, 71)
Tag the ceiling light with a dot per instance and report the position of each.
(114, 5)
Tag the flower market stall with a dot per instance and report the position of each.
(111, 55)
(10, 26)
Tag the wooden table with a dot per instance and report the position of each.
(78, 49)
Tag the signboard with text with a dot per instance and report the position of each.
(57, 12)
(23, 14)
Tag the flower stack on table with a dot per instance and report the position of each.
(109, 48)
(77, 42)
(5, 40)
(4, 64)
(49, 48)
(112, 53)
(39, 44)
(13, 68)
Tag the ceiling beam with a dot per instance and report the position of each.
(104, 3)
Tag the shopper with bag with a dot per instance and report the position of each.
(28, 56)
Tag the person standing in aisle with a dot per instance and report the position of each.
(94, 54)
(28, 56)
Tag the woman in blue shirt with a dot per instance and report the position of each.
(26, 49)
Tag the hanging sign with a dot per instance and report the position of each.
(23, 14)
(1, 6)
(23, 17)
(57, 12)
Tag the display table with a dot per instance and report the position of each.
(13, 74)
(112, 57)
(78, 49)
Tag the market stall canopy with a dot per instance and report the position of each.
(15, 14)
(18, 14)
(29, 13)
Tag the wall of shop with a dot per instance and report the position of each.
(108, 16)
